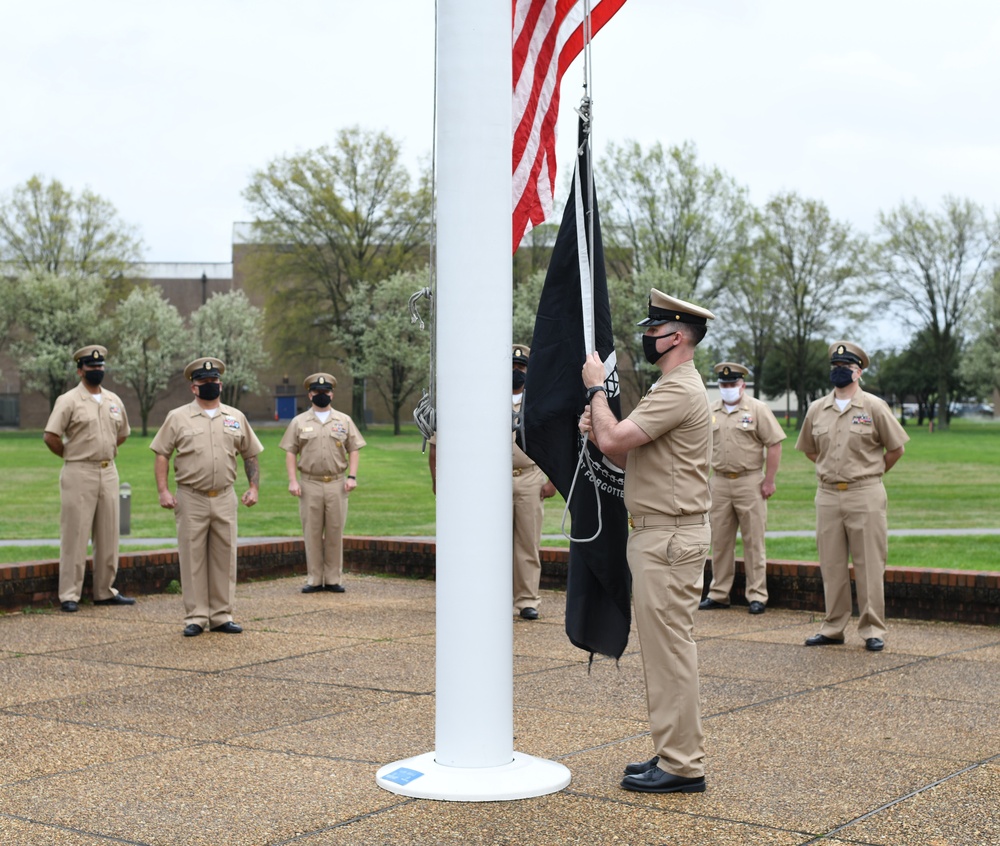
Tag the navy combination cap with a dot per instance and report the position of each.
(205, 368)
(729, 371)
(846, 352)
(91, 354)
(666, 309)
(320, 382)
(520, 353)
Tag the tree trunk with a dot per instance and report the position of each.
(358, 405)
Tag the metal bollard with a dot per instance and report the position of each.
(124, 508)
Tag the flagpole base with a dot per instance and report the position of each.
(423, 778)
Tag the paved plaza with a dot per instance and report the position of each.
(115, 729)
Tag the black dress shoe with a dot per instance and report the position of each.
(69, 605)
(757, 607)
(874, 644)
(709, 604)
(228, 628)
(312, 588)
(823, 640)
(659, 781)
(642, 767)
(529, 613)
(335, 588)
(192, 630)
(117, 599)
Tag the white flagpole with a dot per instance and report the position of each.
(474, 759)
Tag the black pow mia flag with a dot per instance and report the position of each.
(598, 590)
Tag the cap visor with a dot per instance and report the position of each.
(652, 321)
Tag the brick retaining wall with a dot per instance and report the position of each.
(947, 595)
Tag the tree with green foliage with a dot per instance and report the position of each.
(46, 228)
(747, 317)
(932, 267)
(326, 221)
(663, 211)
(54, 315)
(819, 270)
(152, 345)
(980, 366)
(394, 351)
(230, 327)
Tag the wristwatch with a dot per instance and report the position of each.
(595, 390)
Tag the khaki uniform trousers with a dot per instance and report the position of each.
(89, 494)
(528, 514)
(737, 504)
(323, 511)
(668, 570)
(206, 547)
(853, 522)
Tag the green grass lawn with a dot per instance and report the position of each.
(945, 480)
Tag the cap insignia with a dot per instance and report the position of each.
(95, 354)
(322, 380)
(725, 371)
(841, 350)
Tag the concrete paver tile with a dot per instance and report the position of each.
(379, 732)
(945, 678)
(17, 831)
(206, 707)
(607, 690)
(960, 812)
(849, 720)
(808, 666)
(36, 678)
(558, 820)
(206, 795)
(209, 652)
(393, 666)
(35, 747)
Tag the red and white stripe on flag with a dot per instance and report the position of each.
(547, 36)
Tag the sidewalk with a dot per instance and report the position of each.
(116, 729)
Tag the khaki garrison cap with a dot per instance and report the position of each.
(320, 381)
(92, 354)
(728, 371)
(205, 368)
(666, 309)
(846, 351)
(520, 353)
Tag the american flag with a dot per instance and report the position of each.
(547, 36)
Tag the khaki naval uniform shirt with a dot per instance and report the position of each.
(667, 494)
(205, 448)
(88, 487)
(322, 448)
(850, 444)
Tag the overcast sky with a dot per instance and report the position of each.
(166, 109)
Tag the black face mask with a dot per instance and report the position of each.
(841, 376)
(93, 377)
(649, 347)
(322, 400)
(517, 382)
(210, 391)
